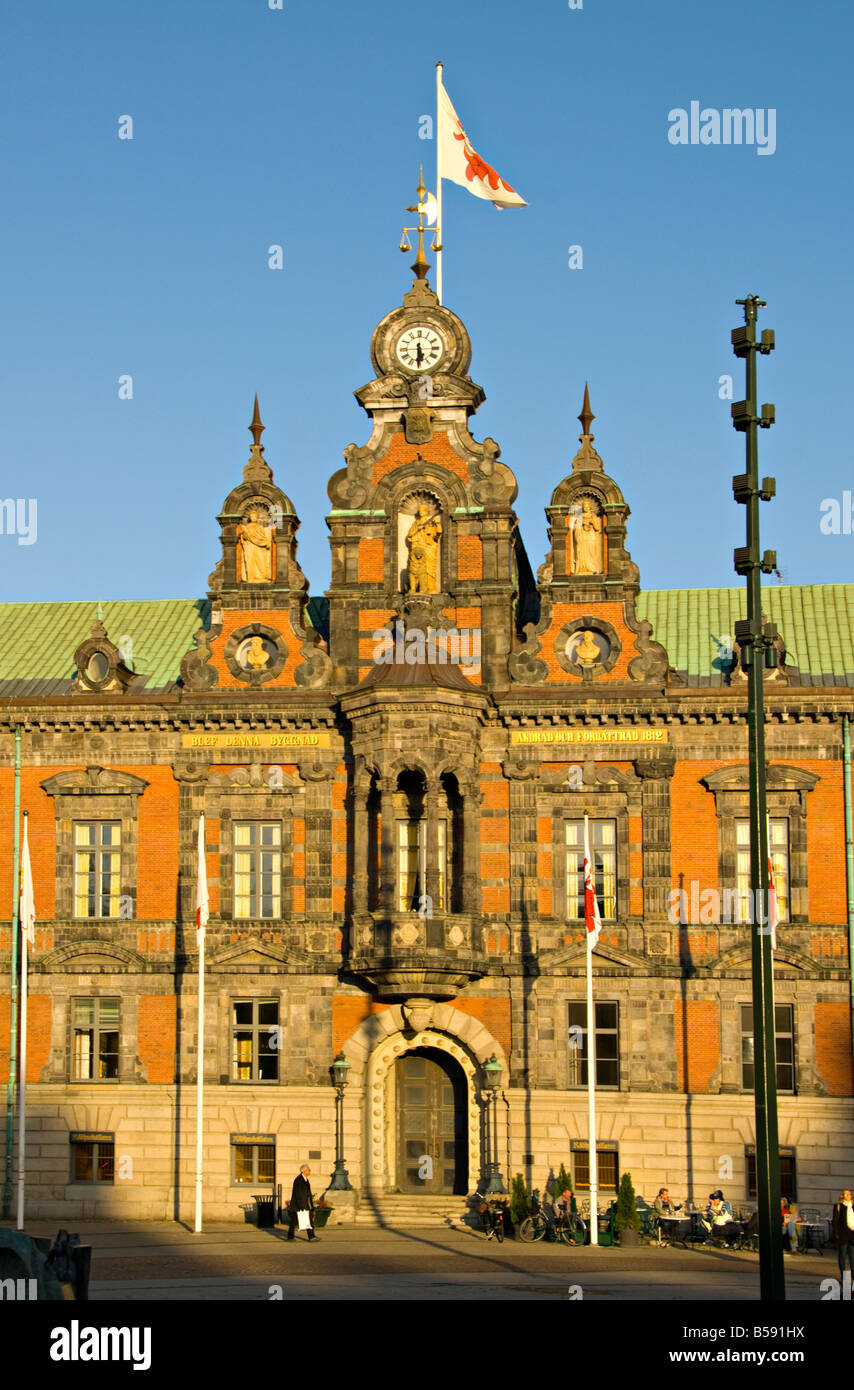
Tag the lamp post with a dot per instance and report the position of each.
(340, 1070)
(492, 1072)
(756, 640)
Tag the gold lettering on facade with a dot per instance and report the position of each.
(265, 740)
(588, 736)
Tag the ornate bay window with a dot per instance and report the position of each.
(96, 841)
(788, 788)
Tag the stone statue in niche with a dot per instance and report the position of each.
(422, 542)
(587, 540)
(587, 649)
(255, 546)
(256, 657)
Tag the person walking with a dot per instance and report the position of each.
(301, 1200)
(789, 1213)
(842, 1230)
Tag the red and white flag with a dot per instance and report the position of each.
(461, 163)
(201, 885)
(773, 909)
(592, 919)
(27, 905)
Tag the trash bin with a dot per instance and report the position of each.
(606, 1228)
(265, 1209)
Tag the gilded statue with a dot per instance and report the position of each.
(255, 543)
(587, 649)
(422, 540)
(257, 655)
(588, 550)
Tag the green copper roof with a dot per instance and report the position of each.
(816, 622)
(38, 640)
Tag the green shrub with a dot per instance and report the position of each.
(626, 1216)
(520, 1200)
(563, 1180)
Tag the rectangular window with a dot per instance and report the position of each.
(412, 864)
(607, 1044)
(788, 1173)
(778, 848)
(784, 1039)
(256, 1040)
(603, 848)
(606, 1162)
(92, 1161)
(257, 869)
(97, 868)
(253, 1164)
(95, 1040)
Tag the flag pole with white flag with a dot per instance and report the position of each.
(458, 160)
(27, 915)
(201, 923)
(593, 923)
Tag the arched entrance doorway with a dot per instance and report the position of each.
(430, 1109)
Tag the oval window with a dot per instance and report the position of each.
(98, 668)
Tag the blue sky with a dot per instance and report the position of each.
(300, 127)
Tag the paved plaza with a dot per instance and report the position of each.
(227, 1263)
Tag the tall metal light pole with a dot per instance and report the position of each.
(340, 1074)
(492, 1071)
(757, 651)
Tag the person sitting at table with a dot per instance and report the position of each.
(665, 1209)
(718, 1218)
(663, 1205)
(790, 1224)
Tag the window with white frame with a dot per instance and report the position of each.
(603, 850)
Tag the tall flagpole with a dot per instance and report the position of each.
(439, 222)
(26, 916)
(201, 920)
(591, 935)
(591, 1104)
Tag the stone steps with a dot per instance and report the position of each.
(399, 1209)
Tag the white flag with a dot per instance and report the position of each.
(27, 905)
(592, 919)
(462, 164)
(201, 885)
(773, 908)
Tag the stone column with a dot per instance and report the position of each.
(388, 884)
(362, 847)
(317, 810)
(471, 895)
(431, 815)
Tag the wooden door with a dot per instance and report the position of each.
(431, 1141)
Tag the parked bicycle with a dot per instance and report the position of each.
(491, 1216)
(548, 1222)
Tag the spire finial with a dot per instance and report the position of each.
(425, 207)
(586, 417)
(256, 429)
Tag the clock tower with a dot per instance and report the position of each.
(423, 531)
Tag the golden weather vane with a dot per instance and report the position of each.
(426, 207)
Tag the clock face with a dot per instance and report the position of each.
(419, 349)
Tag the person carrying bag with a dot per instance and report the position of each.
(301, 1205)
